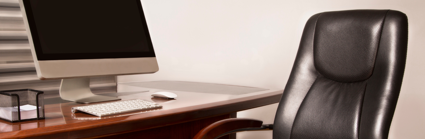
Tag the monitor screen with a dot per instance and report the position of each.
(88, 29)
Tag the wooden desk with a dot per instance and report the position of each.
(197, 105)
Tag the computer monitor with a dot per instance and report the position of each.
(75, 39)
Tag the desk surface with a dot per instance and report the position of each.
(195, 101)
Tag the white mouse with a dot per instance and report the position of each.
(164, 94)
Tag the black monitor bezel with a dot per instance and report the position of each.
(43, 56)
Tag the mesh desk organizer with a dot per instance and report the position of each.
(21, 105)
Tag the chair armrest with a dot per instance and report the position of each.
(231, 125)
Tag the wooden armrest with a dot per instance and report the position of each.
(227, 126)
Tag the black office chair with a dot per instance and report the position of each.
(345, 80)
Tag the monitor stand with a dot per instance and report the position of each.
(78, 90)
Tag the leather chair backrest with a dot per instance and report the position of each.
(346, 77)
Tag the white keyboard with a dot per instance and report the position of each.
(112, 108)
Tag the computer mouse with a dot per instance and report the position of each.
(164, 94)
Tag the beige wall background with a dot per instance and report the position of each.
(254, 42)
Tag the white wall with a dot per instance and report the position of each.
(254, 42)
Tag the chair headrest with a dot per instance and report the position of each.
(346, 44)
